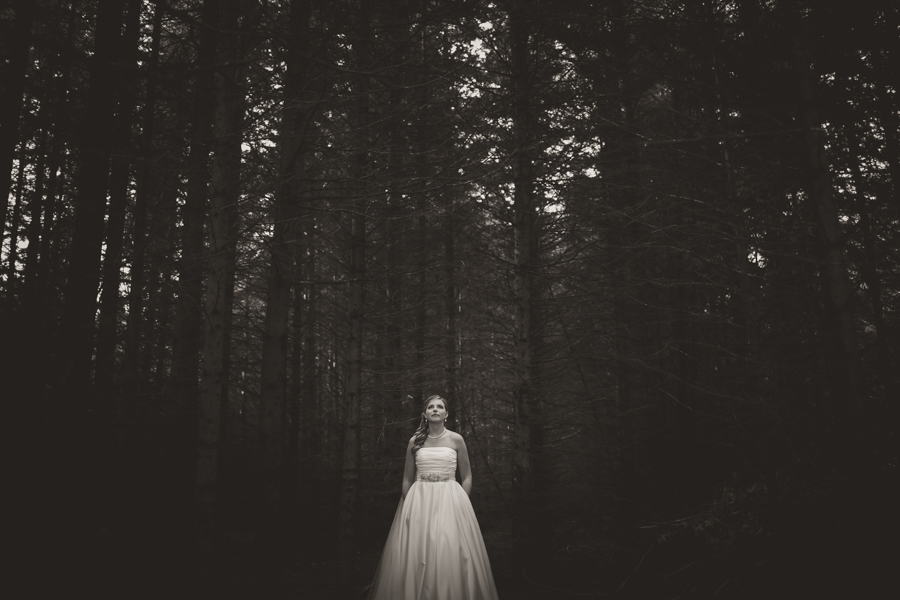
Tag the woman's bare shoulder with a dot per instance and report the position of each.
(457, 439)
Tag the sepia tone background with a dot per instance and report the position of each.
(647, 250)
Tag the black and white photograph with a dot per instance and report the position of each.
(450, 299)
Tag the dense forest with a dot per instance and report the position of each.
(649, 251)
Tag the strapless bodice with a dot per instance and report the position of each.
(435, 464)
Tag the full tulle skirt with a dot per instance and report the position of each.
(434, 550)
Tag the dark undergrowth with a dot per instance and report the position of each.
(103, 518)
(835, 540)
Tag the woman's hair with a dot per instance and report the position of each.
(422, 431)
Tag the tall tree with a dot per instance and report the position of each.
(36, 212)
(96, 137)
(119, 180)
(525, 232)
(350, 464)
(13, 75)
(306, 345)
(839, 289)
(295, 121)
(221, 245)
(188, 315)
(143, 184)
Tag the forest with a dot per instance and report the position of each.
(648, 250)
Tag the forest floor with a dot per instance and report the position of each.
(831, 533)
(818, 557)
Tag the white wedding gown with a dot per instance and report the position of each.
(434, 550)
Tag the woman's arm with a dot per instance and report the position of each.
(465, 469)
(409, 471)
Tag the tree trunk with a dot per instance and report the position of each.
(91, 179)
(291, 478)
(451, 347)
(188, 323)
(397, 174)
(890, 126)
(49, 225)
(838, 287)
(887, 67)
(120, 176)
(221, 245)
(394, 349)
(421, 264)
(352, 402)
(36, 211)
(309, 415)
(869, 271)
(720, 125)
(143, 186)
(525, 244)
(353, 386)
(47, 267)
(421, 314)
(162, 271)
(11, 97)
(294, 122)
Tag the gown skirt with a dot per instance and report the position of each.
(434, 550)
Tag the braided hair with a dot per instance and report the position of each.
(422, 431)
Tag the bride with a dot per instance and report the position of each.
(434, 550)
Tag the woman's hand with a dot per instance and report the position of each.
(465, 469)
(409, 469)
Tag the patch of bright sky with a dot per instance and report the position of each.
(731, 12)
(757, 258)
(469, 91)
(560, 147)
(848, 183)
(576, 113)
(554, 203)
(477, 48)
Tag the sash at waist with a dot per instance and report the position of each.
(434, 477)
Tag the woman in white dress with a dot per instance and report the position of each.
(434, 550)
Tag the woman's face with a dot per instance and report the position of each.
(435, 410)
